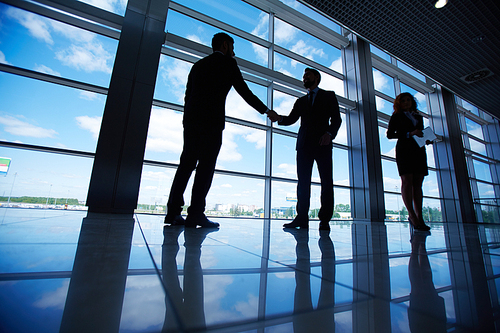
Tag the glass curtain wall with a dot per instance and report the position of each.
(480, 139)
(55, 70)
(272, 54)
(390, 78)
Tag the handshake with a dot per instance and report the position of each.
(273, 116)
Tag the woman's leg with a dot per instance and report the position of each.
(418, 179)
(407, 193)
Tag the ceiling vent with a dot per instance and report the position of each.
(477, 75)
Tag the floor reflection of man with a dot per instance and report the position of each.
(305, 318)
(184, 307)
(426, 312)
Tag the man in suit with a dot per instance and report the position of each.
(209, 82)
(320, 122)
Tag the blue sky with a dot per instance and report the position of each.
(40, 113)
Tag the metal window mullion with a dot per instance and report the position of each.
(65, 18)
(404, 77)
(300, 21)
(219, 24)
(52, 79)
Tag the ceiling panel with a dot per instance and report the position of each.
(446, 44)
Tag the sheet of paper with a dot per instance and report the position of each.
(428, 135)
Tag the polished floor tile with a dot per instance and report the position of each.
(64, 271)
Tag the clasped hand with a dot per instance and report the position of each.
(273, 116)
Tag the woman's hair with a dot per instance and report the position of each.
(397, 102)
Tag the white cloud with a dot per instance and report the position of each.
(175, 73)
(19, 127)
(90, 57)
(226, 185)
(288, 169)
(55, 299)
(2, 59)
(284, 32)
(379, 80)
(165, 133)
(194, 38)
(306, 50)
(91, 124)
(36, 25)
(46, 70)
(72, 33)
(88, 95)
(337, 65)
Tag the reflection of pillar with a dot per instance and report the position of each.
(473, 308)
(95, 295)
(371, 278)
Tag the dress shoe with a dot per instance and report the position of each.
(419, 226)
(297, 223)
(174, 219)
(324, 225)
(200, 220)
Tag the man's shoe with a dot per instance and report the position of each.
(297, 223)
(201, 220)
(174, 219)
(324, 225)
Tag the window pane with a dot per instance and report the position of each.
(474, 128)
(233, 12)
(394, 208)
(432, 210)
(46, 114)
(236, 106)
(306, 45)
(410, 71)
(491, 214)
(430, 185)
(392, 181)
(283, 200)
(387, 147)
(477, 146)
(172, 79)
(340, 167)
(486, 192)
(482, 170)
(284, 156)
(383, 83)
(165, 136)
(341, 137)
(384, 106)
(470, 107)
(342, 202)
(61, 49)
(419, 97)
(243, 149)
(47, 176)
(430, 156)
(283, 104)
(380, 53)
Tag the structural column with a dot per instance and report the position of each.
(453, 176)
(116, 174)
(365, 163)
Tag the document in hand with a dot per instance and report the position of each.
(428, 135)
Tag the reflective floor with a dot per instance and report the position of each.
(63, 271)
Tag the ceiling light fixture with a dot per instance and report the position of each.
(441, 3)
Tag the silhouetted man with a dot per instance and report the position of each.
(208, 84)
(319, 123)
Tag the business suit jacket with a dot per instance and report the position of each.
(209, 82)
(322, 117)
